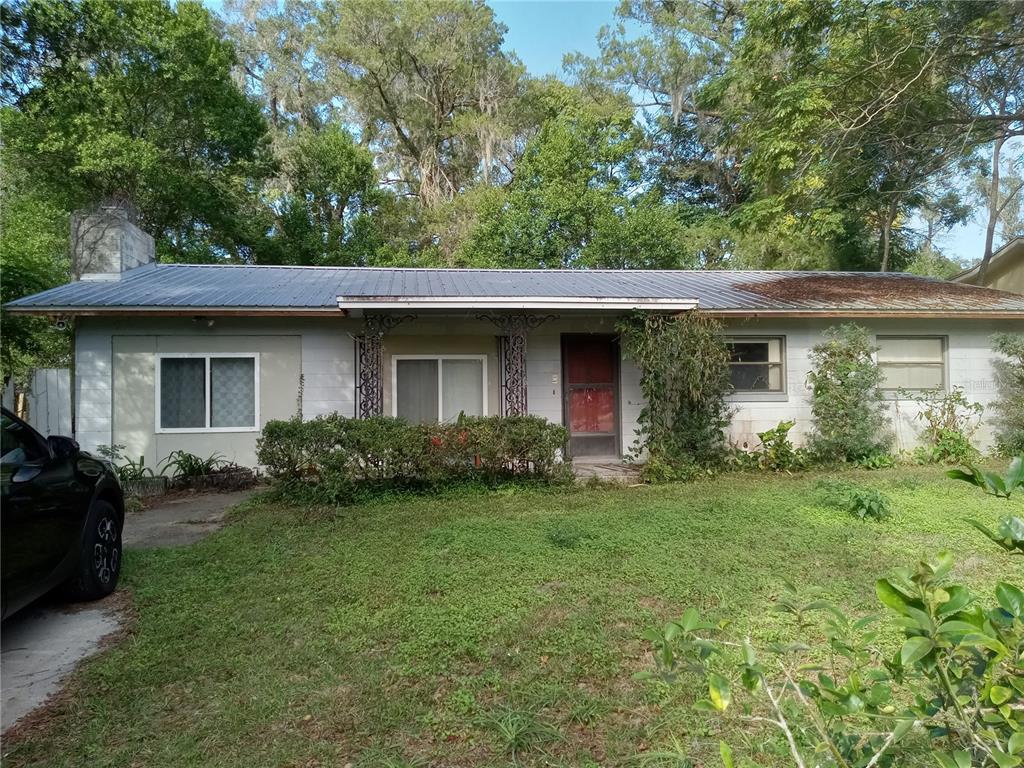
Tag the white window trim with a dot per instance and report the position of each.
(254, 356)
(768, 395)
(440, 386)
(893, 392)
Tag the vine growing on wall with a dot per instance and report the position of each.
(684, 378)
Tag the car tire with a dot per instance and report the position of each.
(99, 565)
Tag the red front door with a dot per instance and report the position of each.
(590, 373)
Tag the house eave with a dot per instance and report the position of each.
(72, 311)
(622, 304)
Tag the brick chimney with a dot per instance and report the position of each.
(106, 243)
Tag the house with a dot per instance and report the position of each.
(200, 357)
(1005, 270)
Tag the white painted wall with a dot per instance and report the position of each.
(325, 351)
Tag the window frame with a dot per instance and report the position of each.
(761, 394)
(943, 361)
(207, 356)
(440, 379)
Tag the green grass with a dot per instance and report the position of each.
(477, 629)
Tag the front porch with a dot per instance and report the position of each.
(566, 369)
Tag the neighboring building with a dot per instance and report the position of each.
(1005, 269)
(200, 357)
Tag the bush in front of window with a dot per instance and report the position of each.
(846, 402)
(334, 459)
(949, 422)
(1009, 407)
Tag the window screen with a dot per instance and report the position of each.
(912, 362)
(232, 392)
(755, 365)
(183, 393)
(438, 389)
(208, 393)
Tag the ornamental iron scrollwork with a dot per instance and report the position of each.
(370, 362)
(514, 328)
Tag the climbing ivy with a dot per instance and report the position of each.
(684, 377)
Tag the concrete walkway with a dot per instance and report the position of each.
(42, 644)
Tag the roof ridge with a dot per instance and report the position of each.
(558, 270)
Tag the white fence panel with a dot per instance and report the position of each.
(47, 401)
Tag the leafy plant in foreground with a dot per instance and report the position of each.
(1009, 533)
(991, 482)
(957, 675)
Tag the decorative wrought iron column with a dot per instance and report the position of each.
(514, 328)
(370, 363)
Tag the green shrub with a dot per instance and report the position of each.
(334, 459)
(684, 378)
(846, 404)
(1009, 371)
(293, 448)
(950, 421)
(858, 500)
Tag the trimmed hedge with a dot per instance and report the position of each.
(335, 459)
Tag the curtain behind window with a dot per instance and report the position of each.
(462, 388)
(416, 390)
(182, 393)
(232, 392)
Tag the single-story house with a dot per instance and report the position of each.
(200, 357)
(1005, 270)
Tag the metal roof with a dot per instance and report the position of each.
(273, 288)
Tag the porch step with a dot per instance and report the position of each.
(612, 470)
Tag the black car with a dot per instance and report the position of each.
(62, 513)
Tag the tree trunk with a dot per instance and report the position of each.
(890, 216)
(993, 208)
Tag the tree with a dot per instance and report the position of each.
(428, 85)
(323, 203)
(115, 98)
(33, 257)
(989, 90)
(841, 108)
(576, 200)
(672, 69)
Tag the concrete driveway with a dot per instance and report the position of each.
(41, 645)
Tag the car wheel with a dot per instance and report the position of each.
(100, 563)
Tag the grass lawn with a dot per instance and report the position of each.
(418, 632)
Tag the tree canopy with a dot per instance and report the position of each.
(704, 134)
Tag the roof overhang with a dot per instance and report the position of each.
(514, 302)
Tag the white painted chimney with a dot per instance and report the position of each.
(105, 243)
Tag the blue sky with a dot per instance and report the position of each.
(541, 32)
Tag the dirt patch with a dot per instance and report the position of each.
(878, 290)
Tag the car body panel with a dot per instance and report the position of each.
(46, 498)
